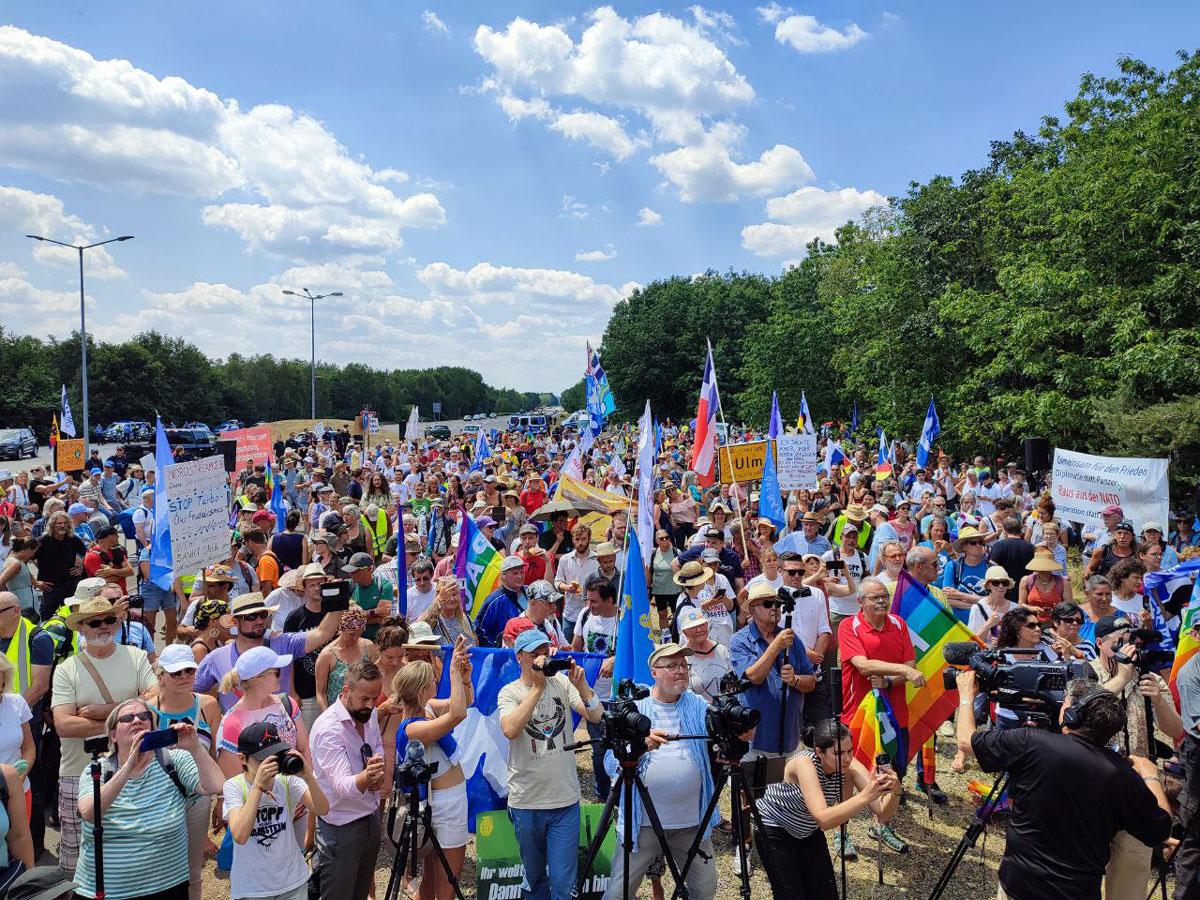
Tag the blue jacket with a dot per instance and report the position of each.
(500, 606)
(691, 719)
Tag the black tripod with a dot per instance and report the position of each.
(729, 753)
(978, 823)
(409, 843)
(96, 746)
(1160, 882)
(627, 752)
(835, 699)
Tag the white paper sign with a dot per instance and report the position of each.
(1084, 484)
(148, 463)
(198, 509)
(797, 461)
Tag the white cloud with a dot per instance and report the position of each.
(648, 218)
(707, 171)
(804, 215)
(573, 209)
(806, 34)
(433, 24)
(610, 252)
(720, 24)
(108, 123)
(28, 212)
(600, 131)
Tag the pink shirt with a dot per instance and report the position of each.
(337, 752)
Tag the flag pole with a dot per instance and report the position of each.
(737, 507)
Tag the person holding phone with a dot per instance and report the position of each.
(147, 781)
(823, 786)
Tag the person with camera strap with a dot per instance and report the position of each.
(260, 807)
(543, 786)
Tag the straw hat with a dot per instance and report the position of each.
(1043, 561)
(997, 573)
(969, 533)
(691, 574)
(88, 609)
(855, 512)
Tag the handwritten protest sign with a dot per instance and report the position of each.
(198, 510)
(797, 461)
(1086, 484)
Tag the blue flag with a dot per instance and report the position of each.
(929, 432)
(401, 568)
(66, 421)
(854, 418)
(278, 507)
(775, 429)
(162, 564)
(482, 452)
(770, 501)
(634, 645)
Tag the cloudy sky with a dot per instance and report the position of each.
(484, 181)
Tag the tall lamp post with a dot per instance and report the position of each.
(312, 299)
(87, 435)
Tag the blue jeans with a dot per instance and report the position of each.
(548, 839)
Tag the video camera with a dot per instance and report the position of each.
(1032, 689)
(1150, 656)
(727, 718)
(554, 665)
(414, 771)
(623, 722)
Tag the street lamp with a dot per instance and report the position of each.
(87, 435)
(312, 299)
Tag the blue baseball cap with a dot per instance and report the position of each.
(530, 640)
(96, 472)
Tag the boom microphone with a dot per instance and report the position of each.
(959, 653)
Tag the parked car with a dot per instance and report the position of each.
(16, 442)
(472, 429)
(128, 430)
(438, 432)
(191, 443)
(231, 425)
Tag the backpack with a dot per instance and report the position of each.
(108, 768)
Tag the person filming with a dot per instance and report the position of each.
(1070, 794)
(819, 792)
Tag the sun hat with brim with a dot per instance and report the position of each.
(289, 578)
(41, 883)
(606, 549)
(967, 534)
(690, 617)
(86, 590)
(248, 604)
(312, 570)
(257, 660)
(855, 512)
(420, 634)
(665, 650)
(815, 518)
(761, 591)
(691, 574)
(1043, 561)
(176, 658)
(529, 640)
(219, 573)
(997, 574)
(89, 609)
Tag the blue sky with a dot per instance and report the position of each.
(485, 180)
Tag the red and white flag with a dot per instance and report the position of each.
(704, 447)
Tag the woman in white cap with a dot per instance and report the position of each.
(710, 661)
(174, 701)
(256, 675)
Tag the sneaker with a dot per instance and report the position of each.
(893, 840)
(847, 849)
(736, 862)
(933, 792)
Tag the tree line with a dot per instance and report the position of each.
(152, 372)
(1051, 292)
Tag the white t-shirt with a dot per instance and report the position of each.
(419, 601)
(810, 618)
(720, 619)
(541, 774)
(1131, 606)
(856, 564)
(599, 635)
(14, 712)
(670, 774)
(271, 861)
(775, 582)
(920, 489)
(707, 671)
(981, 612)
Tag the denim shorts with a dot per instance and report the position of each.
(156, 598)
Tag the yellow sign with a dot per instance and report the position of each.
(69, 454)
(743, 462)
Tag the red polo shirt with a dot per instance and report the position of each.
(890, 644)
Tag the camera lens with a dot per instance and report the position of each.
(288, 764)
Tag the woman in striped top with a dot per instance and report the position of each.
(813, 798)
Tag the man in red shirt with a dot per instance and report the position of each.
(107, 559)
(877, 652)
(535, 557)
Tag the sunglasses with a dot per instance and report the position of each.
(793, 572)
(1070, 621)
(255, 616)
(1034, 625)
(769, 604)
(129, 718)
(107, 620)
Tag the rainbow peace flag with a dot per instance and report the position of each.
(1187, 646)
(874, 729)
(931, 626)
(476, 566)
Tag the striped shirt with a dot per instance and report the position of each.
(145, 833)
(782, 805)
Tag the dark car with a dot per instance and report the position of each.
(438, 432)
(16, 442)
(191, 443)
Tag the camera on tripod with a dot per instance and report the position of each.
(622, 721)
(788, 597)
(1032, 689)
(414, 772)
(1149, 655)
(727, 717)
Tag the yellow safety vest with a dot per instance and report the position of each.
(379, 531)
(61, 633)
(18, 655)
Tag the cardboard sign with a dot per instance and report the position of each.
(253, 444)
(743, 462)
(1084, 484)
(68, 454)
(797, 461)
(198, 510)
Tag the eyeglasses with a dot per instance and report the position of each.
(673, 667)
(107, 620)
(182, 672)
(255, 616)
(7, 608)
(128, 718)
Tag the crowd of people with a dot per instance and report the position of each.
(286, 717)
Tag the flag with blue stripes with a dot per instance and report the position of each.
(929, 433)
(162, 563)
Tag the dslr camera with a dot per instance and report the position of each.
(1033, 689)
(623, 722)
(1150, 656)
(727, 718)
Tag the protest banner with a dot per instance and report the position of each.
(741, 462)
(198, 511)
(68, 454)
(1084, 484)
(797, 461)
(253, 444)
(499, 866)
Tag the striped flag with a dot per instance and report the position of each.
(1188, 645)
(929, 432)
(931, 626)
(704, 446)
(874, 730)
(53, 431)
(804, 423)
(476, 566)
(883, 461)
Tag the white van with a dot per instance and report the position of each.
(531, 422)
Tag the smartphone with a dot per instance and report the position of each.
(335, 596)
(157, 740)
(883, 763)
(835, 565)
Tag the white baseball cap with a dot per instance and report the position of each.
(176, 658)
(257, 660)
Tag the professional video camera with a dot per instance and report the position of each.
(413, 771)
(1150, 656)
(727, 719)
(1032, 689)
(623, 722)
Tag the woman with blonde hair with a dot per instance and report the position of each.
(446, 615)
(256, 675)
(430, 722)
